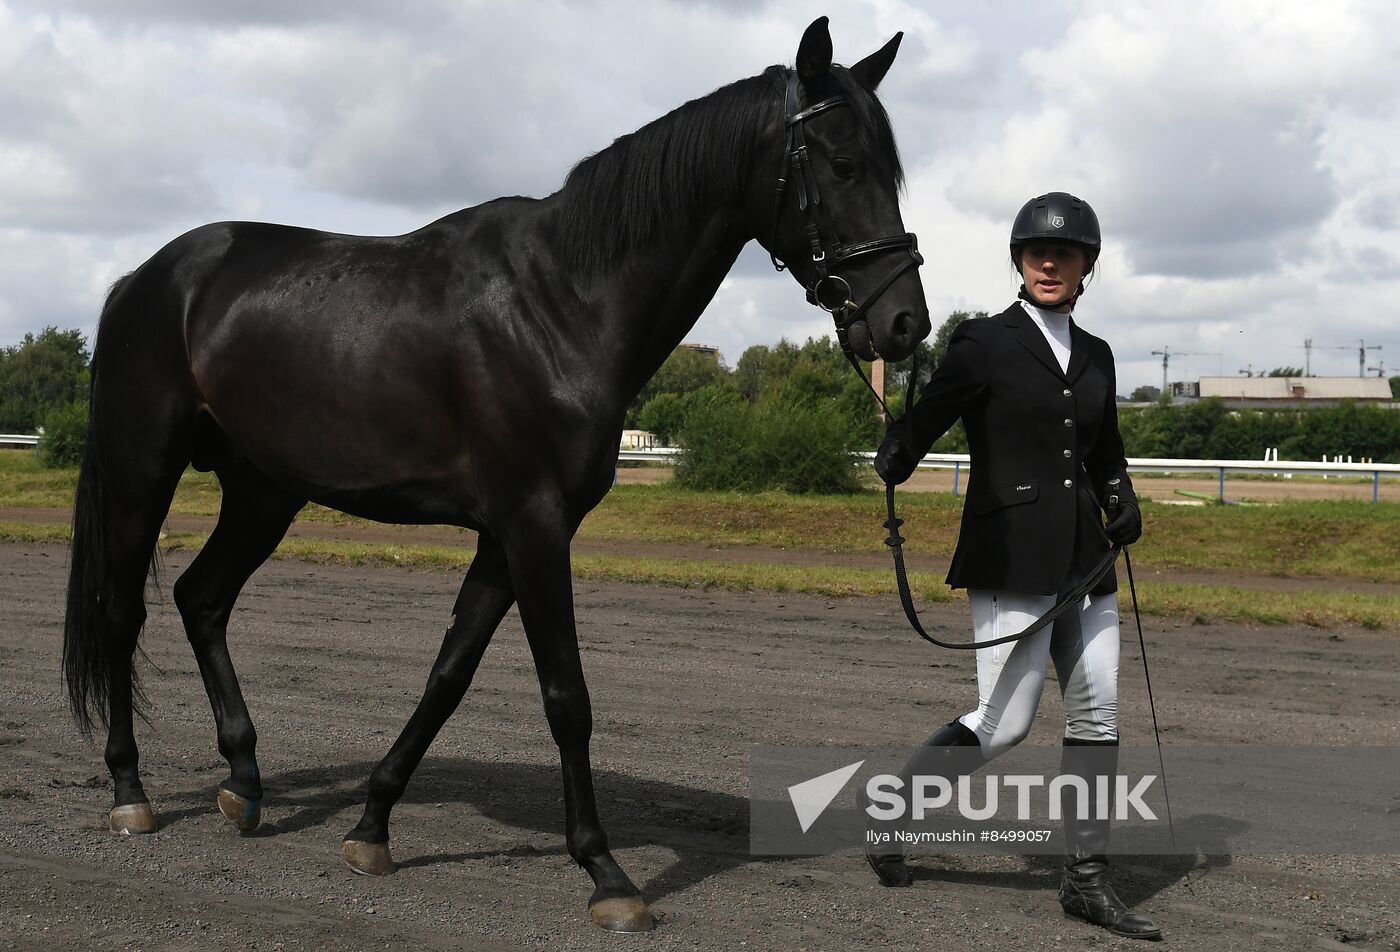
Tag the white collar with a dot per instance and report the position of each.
(1051, 319)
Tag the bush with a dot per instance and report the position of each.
(663, 415)
(727, 444)
(1208, 430)
(64, 435)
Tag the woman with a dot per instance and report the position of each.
(1036, 394)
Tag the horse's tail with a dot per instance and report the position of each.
(85, 657)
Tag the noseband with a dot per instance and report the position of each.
(831, 292)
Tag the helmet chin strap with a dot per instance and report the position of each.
(1071, 299)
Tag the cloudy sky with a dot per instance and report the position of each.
(1242, 156)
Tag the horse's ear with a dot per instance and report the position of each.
(869, 71)
(814, 54)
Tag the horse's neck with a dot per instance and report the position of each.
(643, 304)
(660, 292)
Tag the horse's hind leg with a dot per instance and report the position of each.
(253, 517)
(539, 568)
(132, 532)
(485, 598)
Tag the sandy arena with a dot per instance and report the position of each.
(332, 660)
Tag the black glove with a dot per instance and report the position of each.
(893, 460)
(1126, 526)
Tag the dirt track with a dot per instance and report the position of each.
(684, 682)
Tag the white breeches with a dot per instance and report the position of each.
(1084, 646)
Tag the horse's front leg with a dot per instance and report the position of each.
(482, 603)
(538, 553)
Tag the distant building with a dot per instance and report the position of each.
(639, 440)
(705, 350)
(1240, 392)
(1141, 397)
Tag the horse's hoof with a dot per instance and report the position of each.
(244, 813)
(368, 859)
(622, 914)
(131, 819)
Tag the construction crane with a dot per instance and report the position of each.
(1361, 368)
(1308, 346)
(1166, 353)
(1380, 371)
(1361, 365)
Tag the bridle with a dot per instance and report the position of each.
(831, 292)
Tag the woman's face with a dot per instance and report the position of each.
(1052, 269)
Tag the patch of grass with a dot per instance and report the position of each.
(1331, 539)
(24, 483)
(27, 532)
(837, 523)
(1196, 604)
(1326, 539)
(744, 576)
(1221, 603)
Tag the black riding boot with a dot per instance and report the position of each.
(887, 857)
(1085, 892)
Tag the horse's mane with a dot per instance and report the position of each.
(688, 160)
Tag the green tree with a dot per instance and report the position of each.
(685, 371)
(1143, 394)
(663, 415)
(1286, 372)
(763, 370)
(1395, 387)
(1348, 429)
(40, 374)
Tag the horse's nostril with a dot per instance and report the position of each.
(902, 328)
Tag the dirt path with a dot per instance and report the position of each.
(684, 683)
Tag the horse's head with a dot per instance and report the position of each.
(837, 226)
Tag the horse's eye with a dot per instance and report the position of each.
(843, 168)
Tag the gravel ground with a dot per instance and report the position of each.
(684, 683)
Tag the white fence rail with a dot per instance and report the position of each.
(960, 464)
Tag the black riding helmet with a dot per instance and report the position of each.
(1056, 216)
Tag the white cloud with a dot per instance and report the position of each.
(1242, 156)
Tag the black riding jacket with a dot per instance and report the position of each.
(1031, 518)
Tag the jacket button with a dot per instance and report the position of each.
(1069, 393)
(1068, 454)
(1069, 422)
(1069, 484)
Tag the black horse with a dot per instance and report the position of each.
(474, 373)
